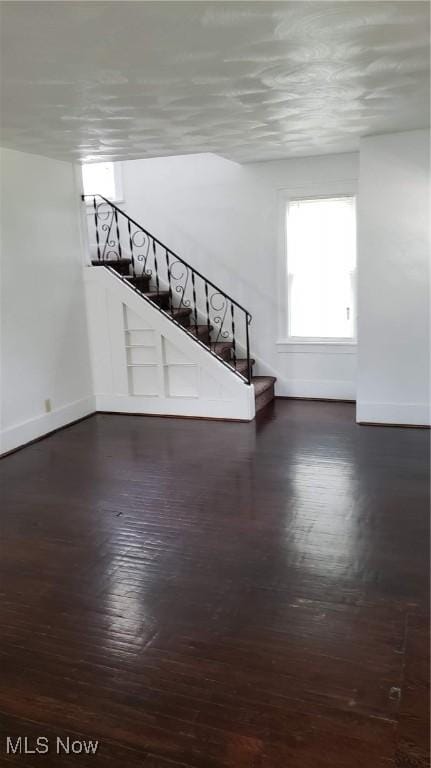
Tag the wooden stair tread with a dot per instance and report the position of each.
(155, 294)
(120, 266)
(263, 391)
(220, 346)
(200, 330)
(138, 278)
(109, 262)
(262, 384)
(242, 365)
(180, 312)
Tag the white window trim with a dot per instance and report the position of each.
(317, 346)
(118, 181)
(285, 343)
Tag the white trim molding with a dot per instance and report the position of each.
(409, 414)
(327, 389)
(290, 346)
(39, 426)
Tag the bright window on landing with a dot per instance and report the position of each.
(321, 267)
(101, 179)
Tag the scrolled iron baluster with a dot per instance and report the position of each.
(106, 216)
(118, 232)
(96, 226)
(181, 288)
(156, 267)
(220, 316)
(171, 304)
(195, 311)
(208, 312)
(247, 323)
(233, 335)
(143, 243)
(129, 229)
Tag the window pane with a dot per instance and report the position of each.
(321, 254)
(99, 179)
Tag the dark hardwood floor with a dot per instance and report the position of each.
(209, 594)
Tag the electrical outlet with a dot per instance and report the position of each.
(48, 407)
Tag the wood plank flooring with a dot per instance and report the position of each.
(198, 594)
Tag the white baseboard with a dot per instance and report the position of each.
(325, 388)
(415, 414)
(20, 434)
(181, 406)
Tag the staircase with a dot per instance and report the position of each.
(191, 301)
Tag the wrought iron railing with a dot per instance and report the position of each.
(115, 236)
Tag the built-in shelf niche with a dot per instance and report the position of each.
(142, 356)
(156, 367)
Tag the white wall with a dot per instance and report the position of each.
(393, 281)
(44, 347)
(225, 219)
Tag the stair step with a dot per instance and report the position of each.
(222, 349)
(242, 365)
(262, 383)
(158, 297)
(141, 283)
(201, 331)
(122, 266)
(182, 315)
(263, 390)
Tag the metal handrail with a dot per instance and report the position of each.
(166, 248)
(115, 252)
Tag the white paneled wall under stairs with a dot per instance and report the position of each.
(144, 363)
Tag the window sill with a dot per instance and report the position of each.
(322, 346)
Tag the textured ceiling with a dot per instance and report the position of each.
(247, 80)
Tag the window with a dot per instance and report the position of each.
(101, 179)
(321, 264)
